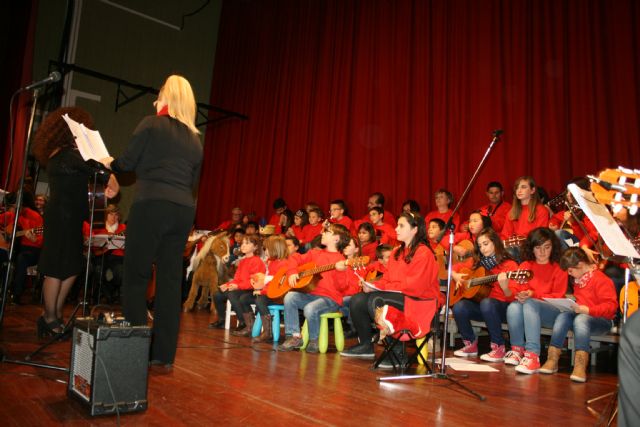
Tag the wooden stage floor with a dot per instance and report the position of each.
(219, 379)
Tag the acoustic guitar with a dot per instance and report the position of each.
(308, 276)
(477, 286)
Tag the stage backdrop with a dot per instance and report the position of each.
(350, 97)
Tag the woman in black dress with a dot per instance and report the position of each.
(61, 259)
(165, 152)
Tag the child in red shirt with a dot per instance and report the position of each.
(596, 305)
(368, 241)
(325, 297)
(249, 265)
(490, 254)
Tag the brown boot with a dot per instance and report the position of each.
(266, 335)
(246, 331)
(580, 364)
(551, 365)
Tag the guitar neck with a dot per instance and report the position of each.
(483, 280)
(317, 270)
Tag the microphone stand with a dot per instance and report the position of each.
(442, 374)
(19, 198)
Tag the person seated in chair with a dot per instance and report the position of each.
(412, 272)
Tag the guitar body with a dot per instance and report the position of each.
(468, 247)
(442, 264)
(474, 293)
(632, 301)
(279, 285)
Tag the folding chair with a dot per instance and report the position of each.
(416, 323)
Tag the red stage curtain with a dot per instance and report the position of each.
(350, 97)
(18, 72)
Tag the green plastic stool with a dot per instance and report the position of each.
(323, 337)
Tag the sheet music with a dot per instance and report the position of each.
(604, 223)
(89, 142)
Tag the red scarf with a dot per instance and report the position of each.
(164, 111)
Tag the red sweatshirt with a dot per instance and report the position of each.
(347, 222)
(599, 294)
(333, 284)
(419, 278)
(370, 250)
(522, 226)
(498, 215)
(387, 234)
(309, 232)
(548, 281)
(246, 268)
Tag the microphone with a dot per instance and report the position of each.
(607, 185)
(55, 76)
(497, 132)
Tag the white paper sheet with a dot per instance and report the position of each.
(604, 223)
(475, 367)
(563, 304)
(89, 142)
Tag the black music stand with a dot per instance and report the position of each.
(442, 374)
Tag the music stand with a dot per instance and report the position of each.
(442, 374)
(623, 251)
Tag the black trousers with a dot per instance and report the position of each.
(157, 232)
(629, 373)
(363, 309)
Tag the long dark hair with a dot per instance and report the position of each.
(414, 220)
(537, 237)
(500, 252)
(54, 133)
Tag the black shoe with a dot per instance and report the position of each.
(362, 351)
(217, 325)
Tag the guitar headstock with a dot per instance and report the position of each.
(618, 188)
(514, 241)
(520, 276)
(358, 262)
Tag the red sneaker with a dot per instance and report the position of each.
(514, 356)
(495, 355)
(470, 349)
(530, 363)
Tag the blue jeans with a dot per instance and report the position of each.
(525, 321)
(582, 325)
(312, 306)
(490, 311)
(563, 236)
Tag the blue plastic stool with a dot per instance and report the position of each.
(323, 336)
(274, 310)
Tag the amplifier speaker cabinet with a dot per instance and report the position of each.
(109, 366)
